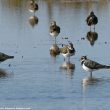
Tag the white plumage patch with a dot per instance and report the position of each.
(54, 34)
(86, 68)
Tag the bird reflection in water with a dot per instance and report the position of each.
(90, 81)
(92, 37)
(54, 50)
(93, 81)
(3, 73)
(68, 68)
(33, 20)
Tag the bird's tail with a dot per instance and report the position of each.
(107, 67)
(10, 57)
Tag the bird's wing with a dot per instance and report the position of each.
(90, 20)
(95, 19)
(55, 28)
(64, 50)
(94, 65)
(58, 29)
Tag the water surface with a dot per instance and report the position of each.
(34, 78)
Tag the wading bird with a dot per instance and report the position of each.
(90, 66)
(92, 20)
(67, 51)
(32, 6)
(54, 30)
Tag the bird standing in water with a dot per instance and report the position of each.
(32, 6)
(54, 30)
(67, 51)
(90, 66)
(92, 20)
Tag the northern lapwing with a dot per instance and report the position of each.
(90, 65)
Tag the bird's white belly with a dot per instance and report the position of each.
(66, 55)
(31, 10)
(54, 34)
(86, 68)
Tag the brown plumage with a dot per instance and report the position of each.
(54, 50)
(67, 51)
(92, 37)
(54, 29)
(33, 20)
(4, 57)
(32, 6)
(92, 20)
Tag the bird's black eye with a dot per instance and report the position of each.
(82, 58)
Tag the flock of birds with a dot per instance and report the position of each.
(67, 50)
(32, 7)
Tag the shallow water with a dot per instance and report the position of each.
(34, 78)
